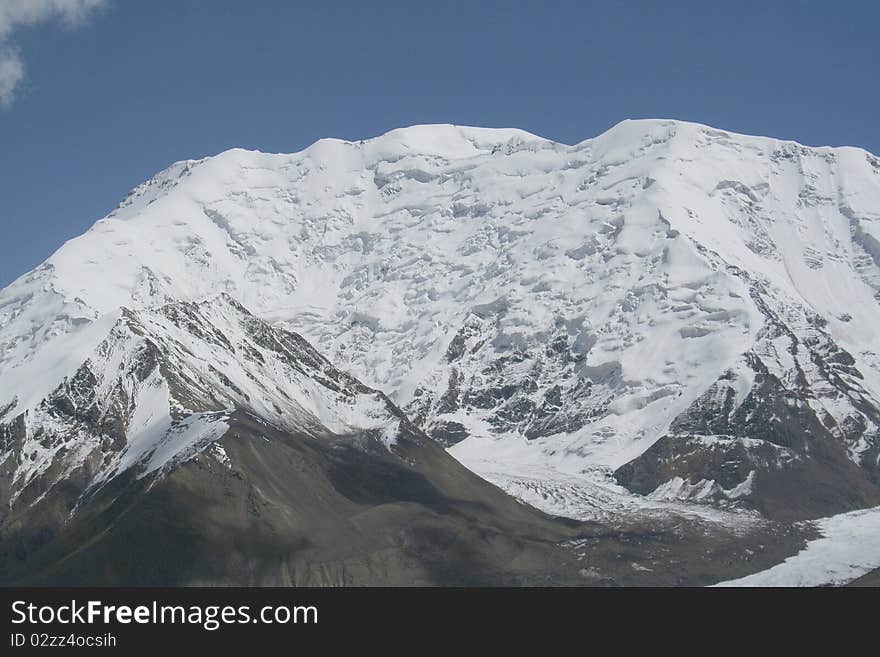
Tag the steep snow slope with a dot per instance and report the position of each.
(543, 307)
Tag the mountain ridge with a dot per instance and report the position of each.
(516, 131)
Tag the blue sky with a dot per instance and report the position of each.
(108, 95)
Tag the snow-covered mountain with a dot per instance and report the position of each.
(666, 309)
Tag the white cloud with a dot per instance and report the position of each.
(11, 73)
(15, 14)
